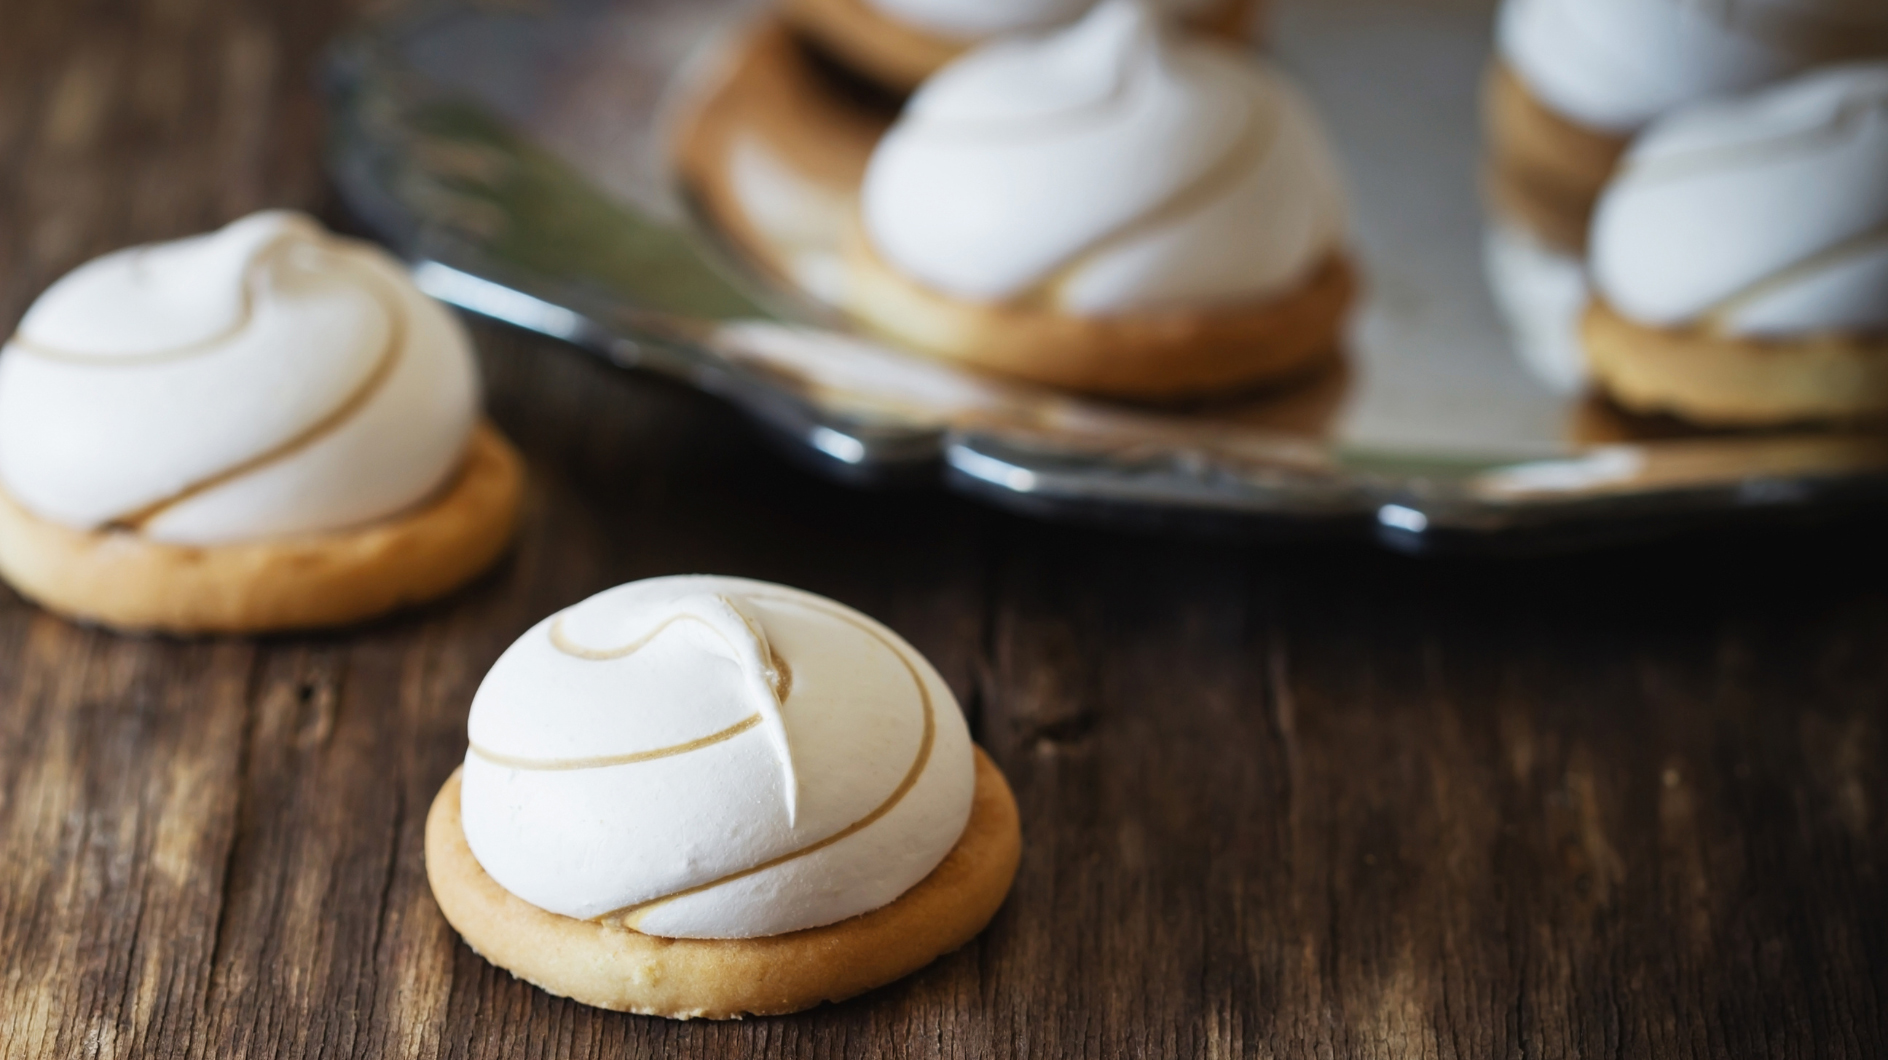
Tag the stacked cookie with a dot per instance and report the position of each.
(1719, 168)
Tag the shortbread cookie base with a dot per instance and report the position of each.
(899, 56)
(1543, 171)
(121, 579)
(1154, 355)
(1731, 381)
(625, 970)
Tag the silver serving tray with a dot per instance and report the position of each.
(517, 152)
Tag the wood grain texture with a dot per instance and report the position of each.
(1278, 801)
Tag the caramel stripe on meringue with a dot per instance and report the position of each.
(748, 648)
(1718, 317)
(363, 394)
(1248, 151)
(244, 315)
(631, 915)
(561, 765)
(782, 681)
(267, 380)
(1707, 160)
(782, 677)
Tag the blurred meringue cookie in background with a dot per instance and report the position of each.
(899, 43)
(1573, 80)
(1740, 258)
(712, 797)
(1118, 208)
(265, 427)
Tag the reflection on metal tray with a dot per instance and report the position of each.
(517, 153)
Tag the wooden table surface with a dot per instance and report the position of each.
(1278, 801)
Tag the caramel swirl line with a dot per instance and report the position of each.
(557, 765)
(631, 915)
(783, 685)
(362, 395)
(782, 675)
(1717, 317)
(1254, 143)
(1840, 126)
(748, 648)
(21, 344)
(245, 313)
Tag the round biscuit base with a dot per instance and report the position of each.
(1731, 381)
(624, 970)
(1157, 355)
(128, 582)
(1543, 171)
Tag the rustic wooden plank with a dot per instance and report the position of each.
(1300, 800)
(119, 767)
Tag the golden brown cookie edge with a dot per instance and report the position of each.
(626, 971)
(124, 581)
(1733, 381)
(1153, 355)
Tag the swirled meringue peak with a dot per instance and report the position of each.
(1109, 167)
(263, 380)
(1765, 215)
(1614, 65)
(707, 757)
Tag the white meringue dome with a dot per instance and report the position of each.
(1765, 215)
(632, 759)
(263, 380)
(1614, 65)
(1109, 167)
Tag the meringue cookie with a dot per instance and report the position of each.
(625, 765)
(264, 380)
(1760, 216)
(1219, 184)
(1614, 65)
(983, 18)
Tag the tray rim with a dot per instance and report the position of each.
(1422, 508)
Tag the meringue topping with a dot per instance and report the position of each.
(1614, 65)
(264, 380)
(1765, 215)
(615, 772)
(1108, 167)
(739, 634)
